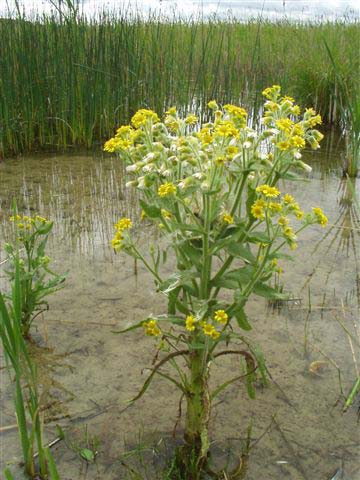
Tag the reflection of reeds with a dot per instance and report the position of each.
(348, 99)
(346, 228)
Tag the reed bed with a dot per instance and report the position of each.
(67, 82)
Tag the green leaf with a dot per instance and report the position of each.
(258, 237)
(194, 254)
(188, 228)
(250, 378)
(264, 290)
(45, 228)
(241, 318)
(8, 474)
(151, 211)
(87, 455)
(54, 474)
(240, 250)
(132, 327)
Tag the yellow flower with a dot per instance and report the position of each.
(142, 116)
(226, 129)
(297, 141)
(190, 323)
(234, 110)
(268, 191)
(166, 189)
(227, 218)
(191, 119)
(298, 129)
(275, 207)
(205, 135)
(288, 198)
(220, 160)
(221, 316)
(320, 217)
(20, 225)
(123, 224)
(293, 245)
(287, 99)
(295, 110)
(283, 221)
(257, 211)
(151, 328)
(283, 145)
(210, 331)
(272, 92)
(171, 111)
(299, 214)
(215, 334)
(171, 123)
(289, 233)
(231, 151)
(317, 120)
(124, 130)
(284, 124)
(116, 242)
(213, 105)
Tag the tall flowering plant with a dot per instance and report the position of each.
(211, 190)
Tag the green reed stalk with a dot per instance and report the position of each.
(67, 81)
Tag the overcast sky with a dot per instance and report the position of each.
(299, 9)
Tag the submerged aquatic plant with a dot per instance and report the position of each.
(28, 254)
(211, 190)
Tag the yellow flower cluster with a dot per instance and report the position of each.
(225, 128)
(191, 119)
(211, 331)
(151, 328)
(142, 116)
(24, 222)
(120, 226)
(320, 217)
(166, 189)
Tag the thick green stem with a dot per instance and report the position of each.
(198, 409)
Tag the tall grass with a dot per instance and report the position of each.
(67, 82)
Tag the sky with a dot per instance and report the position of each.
(272, 9)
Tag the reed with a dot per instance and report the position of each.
(348, 98)
(65, 81)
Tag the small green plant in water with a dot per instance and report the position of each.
(21, 367)
(36, 278)
(211, 190)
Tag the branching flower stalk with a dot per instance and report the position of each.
(27, 251)
(211, 190)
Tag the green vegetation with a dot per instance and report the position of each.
(68, 82)
(36, 279)
(26, 392)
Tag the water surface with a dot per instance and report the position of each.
(89, 373)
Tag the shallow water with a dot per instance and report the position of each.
(89, 372)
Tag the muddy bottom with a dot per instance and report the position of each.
(90, 373)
